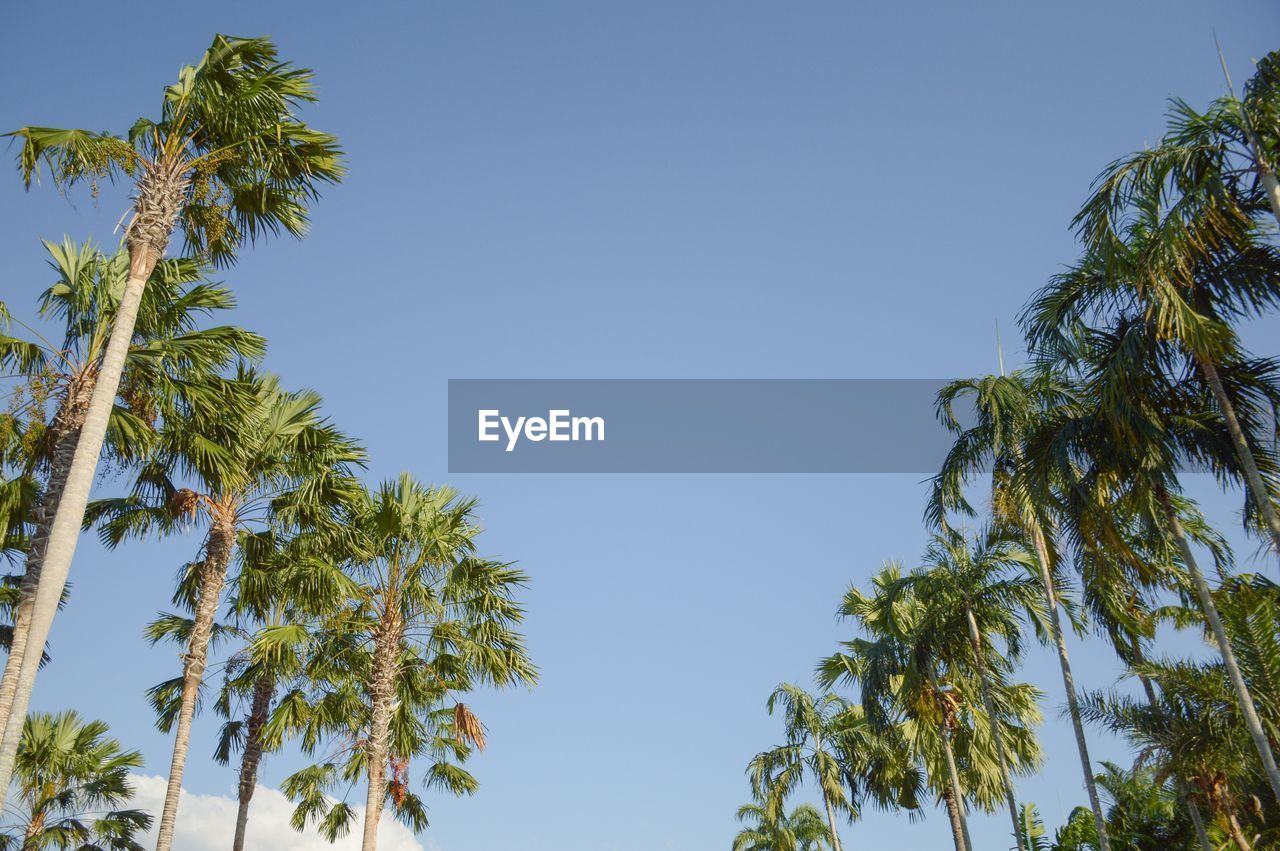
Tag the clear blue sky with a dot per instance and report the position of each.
(659, 189)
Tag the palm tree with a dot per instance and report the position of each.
(1125, 568)
(800, 830)
(283, 588)
(276, 461)
(983, 586)
(1166, 241)
(1144, 814)
(1137, 421)
(1031, 829)
(428, 619)
(280, 588)
(1191, 730)
(1006, 408)
(230, 161)
(169, 358)
(910, 675)
(813, 729)
(70, 781)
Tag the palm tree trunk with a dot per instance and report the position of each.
(1237, 834)
(1210, 611)
(831, 823)
(64, 433)
(997, 740)
(1266, 173)
(64, 532)
(1253, 478)
(954, 797)
(35, 829)
(1068, 681)
(382, 692)
(263, 692)
(953, 774)
(1197, 820)
(213, 573)
(1184, 795)
(1272, 186)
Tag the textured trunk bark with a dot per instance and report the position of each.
(1253, 478)
(65, 432)
(213, 574)
(953, 773)
(386, 656)
(34, 831)
(64, 533)
(997, 740)
(263, 692)
(831, 823)
(1210, 610)
(954, 798)
(1237, 834)
(1068, 681)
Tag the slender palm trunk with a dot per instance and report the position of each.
(263, 692)
(1184, 795)
(997, 739)
(1266, 173)
(35, 829)
(382, 692)
(162, 188)
(1253, 478)
(1210, 610)
(213, 574)
(64, 532)
(1068, 680)
(64, 433)
(1197, 820)
(831, 823)
(955, 797)
(1272, 186)
(953, 774)
(1237, 834)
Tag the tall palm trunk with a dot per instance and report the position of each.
(263, 692)
(1184, 795)
(1266, 173)
(956, 807)
(1253, 478)
(213, 574)
(1068, 680)
(831, 823)
(35, 829)
(1237, 834)
(997, 739)
(954, 797)
(64, 433)
(161, 192)
(1272, 186)
(382, 693)
(1210, 610)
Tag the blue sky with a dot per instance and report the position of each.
(726, 189)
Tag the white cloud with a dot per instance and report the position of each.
(208, 823)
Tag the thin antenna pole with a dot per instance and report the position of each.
(999, 349)
(1222, 60)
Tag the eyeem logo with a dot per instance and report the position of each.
(559, 425)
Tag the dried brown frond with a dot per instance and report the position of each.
(399, 784)
(467, 726)
(184, 503)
